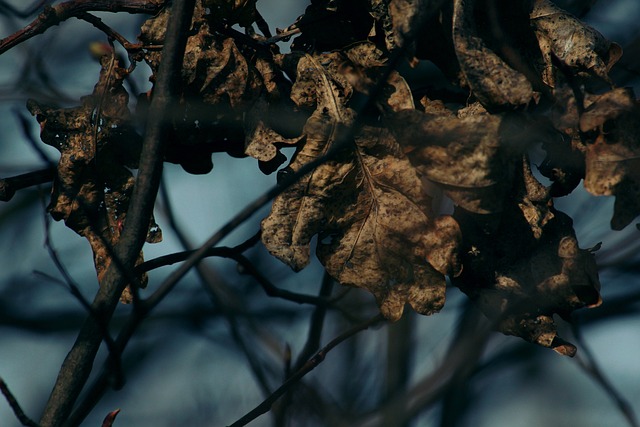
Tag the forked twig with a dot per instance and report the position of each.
(310, 365)
(54, 15)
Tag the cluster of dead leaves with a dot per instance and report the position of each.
(531, 74)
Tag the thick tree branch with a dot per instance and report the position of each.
(77, 365)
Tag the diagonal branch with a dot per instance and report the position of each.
(78, 363)
(15, 406)
(54, 15)
(310, 365)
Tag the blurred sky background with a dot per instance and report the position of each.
(198, 378)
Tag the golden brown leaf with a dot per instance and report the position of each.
(97, 145)
(367, 206)
(470, 157)
(575, 44)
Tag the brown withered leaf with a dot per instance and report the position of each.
(400, 20)
(219, 85)
(528, 267)
(470, 157)
(366, 205)
(97, 145)
(578, 46)
(261, 141)
(494, 83)
(613, 156)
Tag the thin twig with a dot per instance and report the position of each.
(54, 15)
(9, 186)
(590, 366)
(316, 325)
(232, 253)
(310, 365)
(110, 32)
(15, 406)
(221, 296)
(74, 289)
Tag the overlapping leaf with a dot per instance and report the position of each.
(97, 145)
(366, 205)
(220, 89)
(613, 157)
(528, 267)
(575, 44)
(471, 157)
(492, 81)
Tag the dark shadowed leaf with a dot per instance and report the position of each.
(493, 82)
(527, 266)
(613, 157)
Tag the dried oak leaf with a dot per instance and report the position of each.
(261, 141)
(471, 158)
(613, 157)
(366, 204)
(400, 20)
(575, 44)
(97, 145)
(219, 85)
(493, 82)
(528, 268)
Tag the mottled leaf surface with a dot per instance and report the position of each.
(574, 43)
(493, 82)
(527, 267)
(97, 145)
(367, 207)
(613, 156)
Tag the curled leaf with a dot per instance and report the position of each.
(493, 82)
(613, 157)
(575, 44)
(97, 145)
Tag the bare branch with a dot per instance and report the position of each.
(9, 186)
(54, 15)
(310, 365)
(15, 406)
